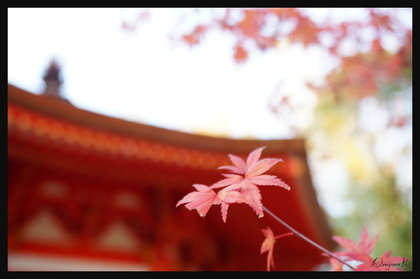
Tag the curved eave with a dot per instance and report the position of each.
(67, 112)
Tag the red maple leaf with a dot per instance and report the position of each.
(361, 252)
(268, 245)
(250, 173)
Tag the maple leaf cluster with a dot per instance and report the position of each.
(240, 186)
(361, 252)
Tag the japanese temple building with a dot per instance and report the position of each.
(92, 192)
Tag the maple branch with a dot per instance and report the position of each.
(305, 238)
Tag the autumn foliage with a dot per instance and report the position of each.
(240, 187)
(360, 69)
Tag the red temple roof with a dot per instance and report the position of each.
(99, 176)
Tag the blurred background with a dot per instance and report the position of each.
(339, 78)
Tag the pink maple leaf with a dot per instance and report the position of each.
(356, 251)
(268, 245)
(205, 197)
(361, 252)
(248, 174)
(202, 199)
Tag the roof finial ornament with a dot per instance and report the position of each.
(53, 81)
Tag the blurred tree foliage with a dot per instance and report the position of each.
(376, 201)
(373, 53)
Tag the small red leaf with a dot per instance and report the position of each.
(268, 245)
(240, 54)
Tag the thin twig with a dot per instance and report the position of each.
(305, 238)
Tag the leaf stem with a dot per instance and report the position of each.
(305, 238)
(285, 234)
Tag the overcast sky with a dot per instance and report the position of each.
(143, 78)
